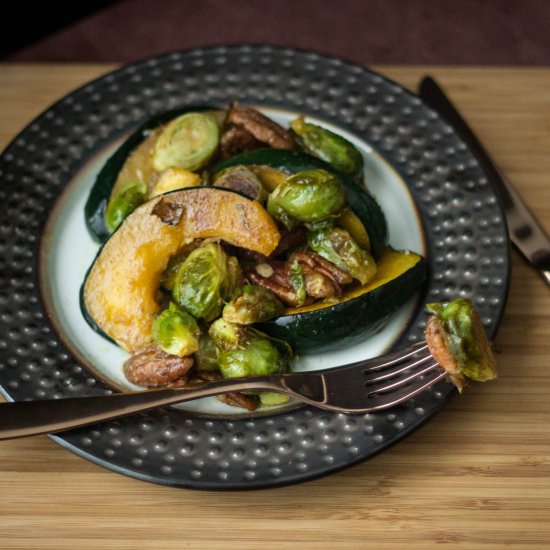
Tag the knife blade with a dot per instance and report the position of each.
(524, 230)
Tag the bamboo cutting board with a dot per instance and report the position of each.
(475, 476)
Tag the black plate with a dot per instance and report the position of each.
(465, 231)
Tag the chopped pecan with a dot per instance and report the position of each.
(284, 293)
(261, 127)
(319, 264)
(238, 399)
(236, 139)
(235, 399)
(318, 285)
(153, 367)
(290, 239)
(169, 212)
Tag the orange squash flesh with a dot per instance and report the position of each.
(121, 290)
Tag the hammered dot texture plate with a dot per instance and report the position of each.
(459, 222)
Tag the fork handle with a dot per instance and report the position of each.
(26, 418)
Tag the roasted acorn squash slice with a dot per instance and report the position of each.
(120, 292)
(359, 313)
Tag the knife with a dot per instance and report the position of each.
(524, 230)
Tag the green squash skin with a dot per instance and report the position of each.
(96, 205)
(359, 199)
(349, 322)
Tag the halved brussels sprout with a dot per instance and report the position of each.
(328, 146)
(244, 351)
(186, 142)
(254, 305)
(176, 332)
(206, 356)
(465, 338)
(311, 196)
(229, 336)
(272, 399)
(337, 246)
(172, 179)
(123, 203)
(204, 281)
(241, 179)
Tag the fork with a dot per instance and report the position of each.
(360, 387)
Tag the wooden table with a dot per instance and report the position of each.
(476, 476)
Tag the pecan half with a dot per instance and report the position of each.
(261, 127)
(153, 367)
(235, 399)
(238, 399)
(319, 264)
(236, 139)
(284, 293)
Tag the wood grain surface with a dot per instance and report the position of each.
(475, 476)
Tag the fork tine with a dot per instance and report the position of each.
(414, 362)
(386, 386)
(393, 358)
(381, 401)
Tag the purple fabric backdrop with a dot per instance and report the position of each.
(365, 31)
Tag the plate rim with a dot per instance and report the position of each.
(298, 477)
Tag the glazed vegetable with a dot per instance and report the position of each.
(246, 352)
(203, 282)
(254, 304)
(358, 198)
(172, 179)
(124, 203)
(360, 312)
(310, 196)
(328, 146)
(186, 142)
(176, 332)
(206, 356)
(229, 336)
(243, 180)
(337, 246)
(464, 338)
(120, 293)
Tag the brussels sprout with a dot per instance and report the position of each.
(240, 178)
(337, 246)
(298, 282)
(172, 179)
(186, 142)
(465, 338)
(328, 146)
(206, 357)
(310, 196)
(123, 203)
(176, 332)
(272, 399)
(234, 279)
(260, 356)
(204, 281)
(255, 305)
(229, 336)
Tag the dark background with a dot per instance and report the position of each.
(496, 32)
